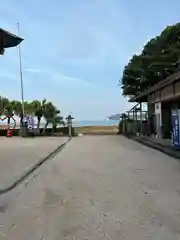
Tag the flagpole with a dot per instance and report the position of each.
(21, 77)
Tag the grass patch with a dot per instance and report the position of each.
(96, 129)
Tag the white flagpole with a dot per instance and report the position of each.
(21, 77)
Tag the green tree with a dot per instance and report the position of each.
(156, 62)
(38, 108)
(7, 109)
(51, 115)
(3, 103)
(57, 120)
(17, 108)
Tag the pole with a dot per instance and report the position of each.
(21, 77)
(141, 118)
(70, 129)
(70, 125)
(134, 131)
(136, 121)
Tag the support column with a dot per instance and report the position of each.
(158, 119)
(134, 125)
(141, 127)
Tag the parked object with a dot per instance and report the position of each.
(9, 133)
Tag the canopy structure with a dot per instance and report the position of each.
(115, 117)
(8, 40)
(143, 96)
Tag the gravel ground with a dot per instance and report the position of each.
(98, 187)
(17, 155)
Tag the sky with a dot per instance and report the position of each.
(74, 51)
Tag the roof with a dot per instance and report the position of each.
(167, 81)
(115, 117)
(8, 39)
(69, 117)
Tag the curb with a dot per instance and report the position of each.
(33, 168)
(157, 147)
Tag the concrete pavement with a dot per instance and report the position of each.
(17, 155)
(98, 187)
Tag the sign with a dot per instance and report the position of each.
(175, 128)
(30, 122)
(25, 119)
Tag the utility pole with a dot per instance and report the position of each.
(21, 77)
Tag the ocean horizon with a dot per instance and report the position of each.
(80, 123)
(94, 123)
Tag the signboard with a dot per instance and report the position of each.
(30, 122)
(175, 128)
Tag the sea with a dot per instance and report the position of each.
(95, 123)
(75, 123)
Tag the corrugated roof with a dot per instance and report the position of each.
(167, 81)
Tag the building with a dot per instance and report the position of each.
(8, 40)
(163, 104)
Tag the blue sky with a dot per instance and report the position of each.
(75, 50)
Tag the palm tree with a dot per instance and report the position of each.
(38, 109)
(28, 108)
(51, 115)
(3, 102)
(49, 112)
(17, 108)
(57, 120)
(8, 110)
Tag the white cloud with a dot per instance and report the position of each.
(64, 79)
(8, 75)
(33, 70)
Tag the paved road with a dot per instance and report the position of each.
(17, 155)
(106, 187)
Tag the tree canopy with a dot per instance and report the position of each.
(156, 62)
(39, 109)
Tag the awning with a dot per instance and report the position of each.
(142, 96)
(8, 40)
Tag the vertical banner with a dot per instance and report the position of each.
(31, 124)
(175, 128)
